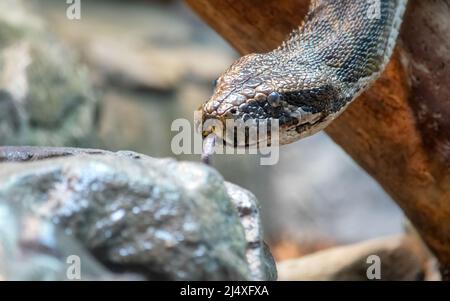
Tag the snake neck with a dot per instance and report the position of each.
(351, 39)
(340, 49)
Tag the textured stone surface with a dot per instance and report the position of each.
(32, 248)
(262, 264)
(156, 217)
(45, 98)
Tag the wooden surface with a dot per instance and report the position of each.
(399, 130)
(402, 258)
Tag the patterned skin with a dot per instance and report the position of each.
(341, 49)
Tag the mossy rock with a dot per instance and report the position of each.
(47, 97)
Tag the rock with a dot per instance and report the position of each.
(401, 258)
(35, 153)
(44, 96)
(32, 248)
(262, 264)
(155, 217)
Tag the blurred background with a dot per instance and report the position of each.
(117, 78)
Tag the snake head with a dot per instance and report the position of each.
(242, 95)
(258, 89)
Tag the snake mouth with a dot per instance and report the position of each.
(307, 126)
(241, 137)
(249, 137)
(303, 128)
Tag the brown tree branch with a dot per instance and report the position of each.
(399, 130)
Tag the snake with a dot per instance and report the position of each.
(341, 48)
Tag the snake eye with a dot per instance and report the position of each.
(274, 99)
(215, 82)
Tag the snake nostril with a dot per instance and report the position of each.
(215, 82)
(233, 111)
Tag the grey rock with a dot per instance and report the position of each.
(45, 97)
(156, 217)
(33, 249)
(262, 264)
(36, 153)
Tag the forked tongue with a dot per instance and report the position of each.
(209, 143)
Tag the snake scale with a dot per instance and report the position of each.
(341, 48)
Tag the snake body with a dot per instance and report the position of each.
(341, 48)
